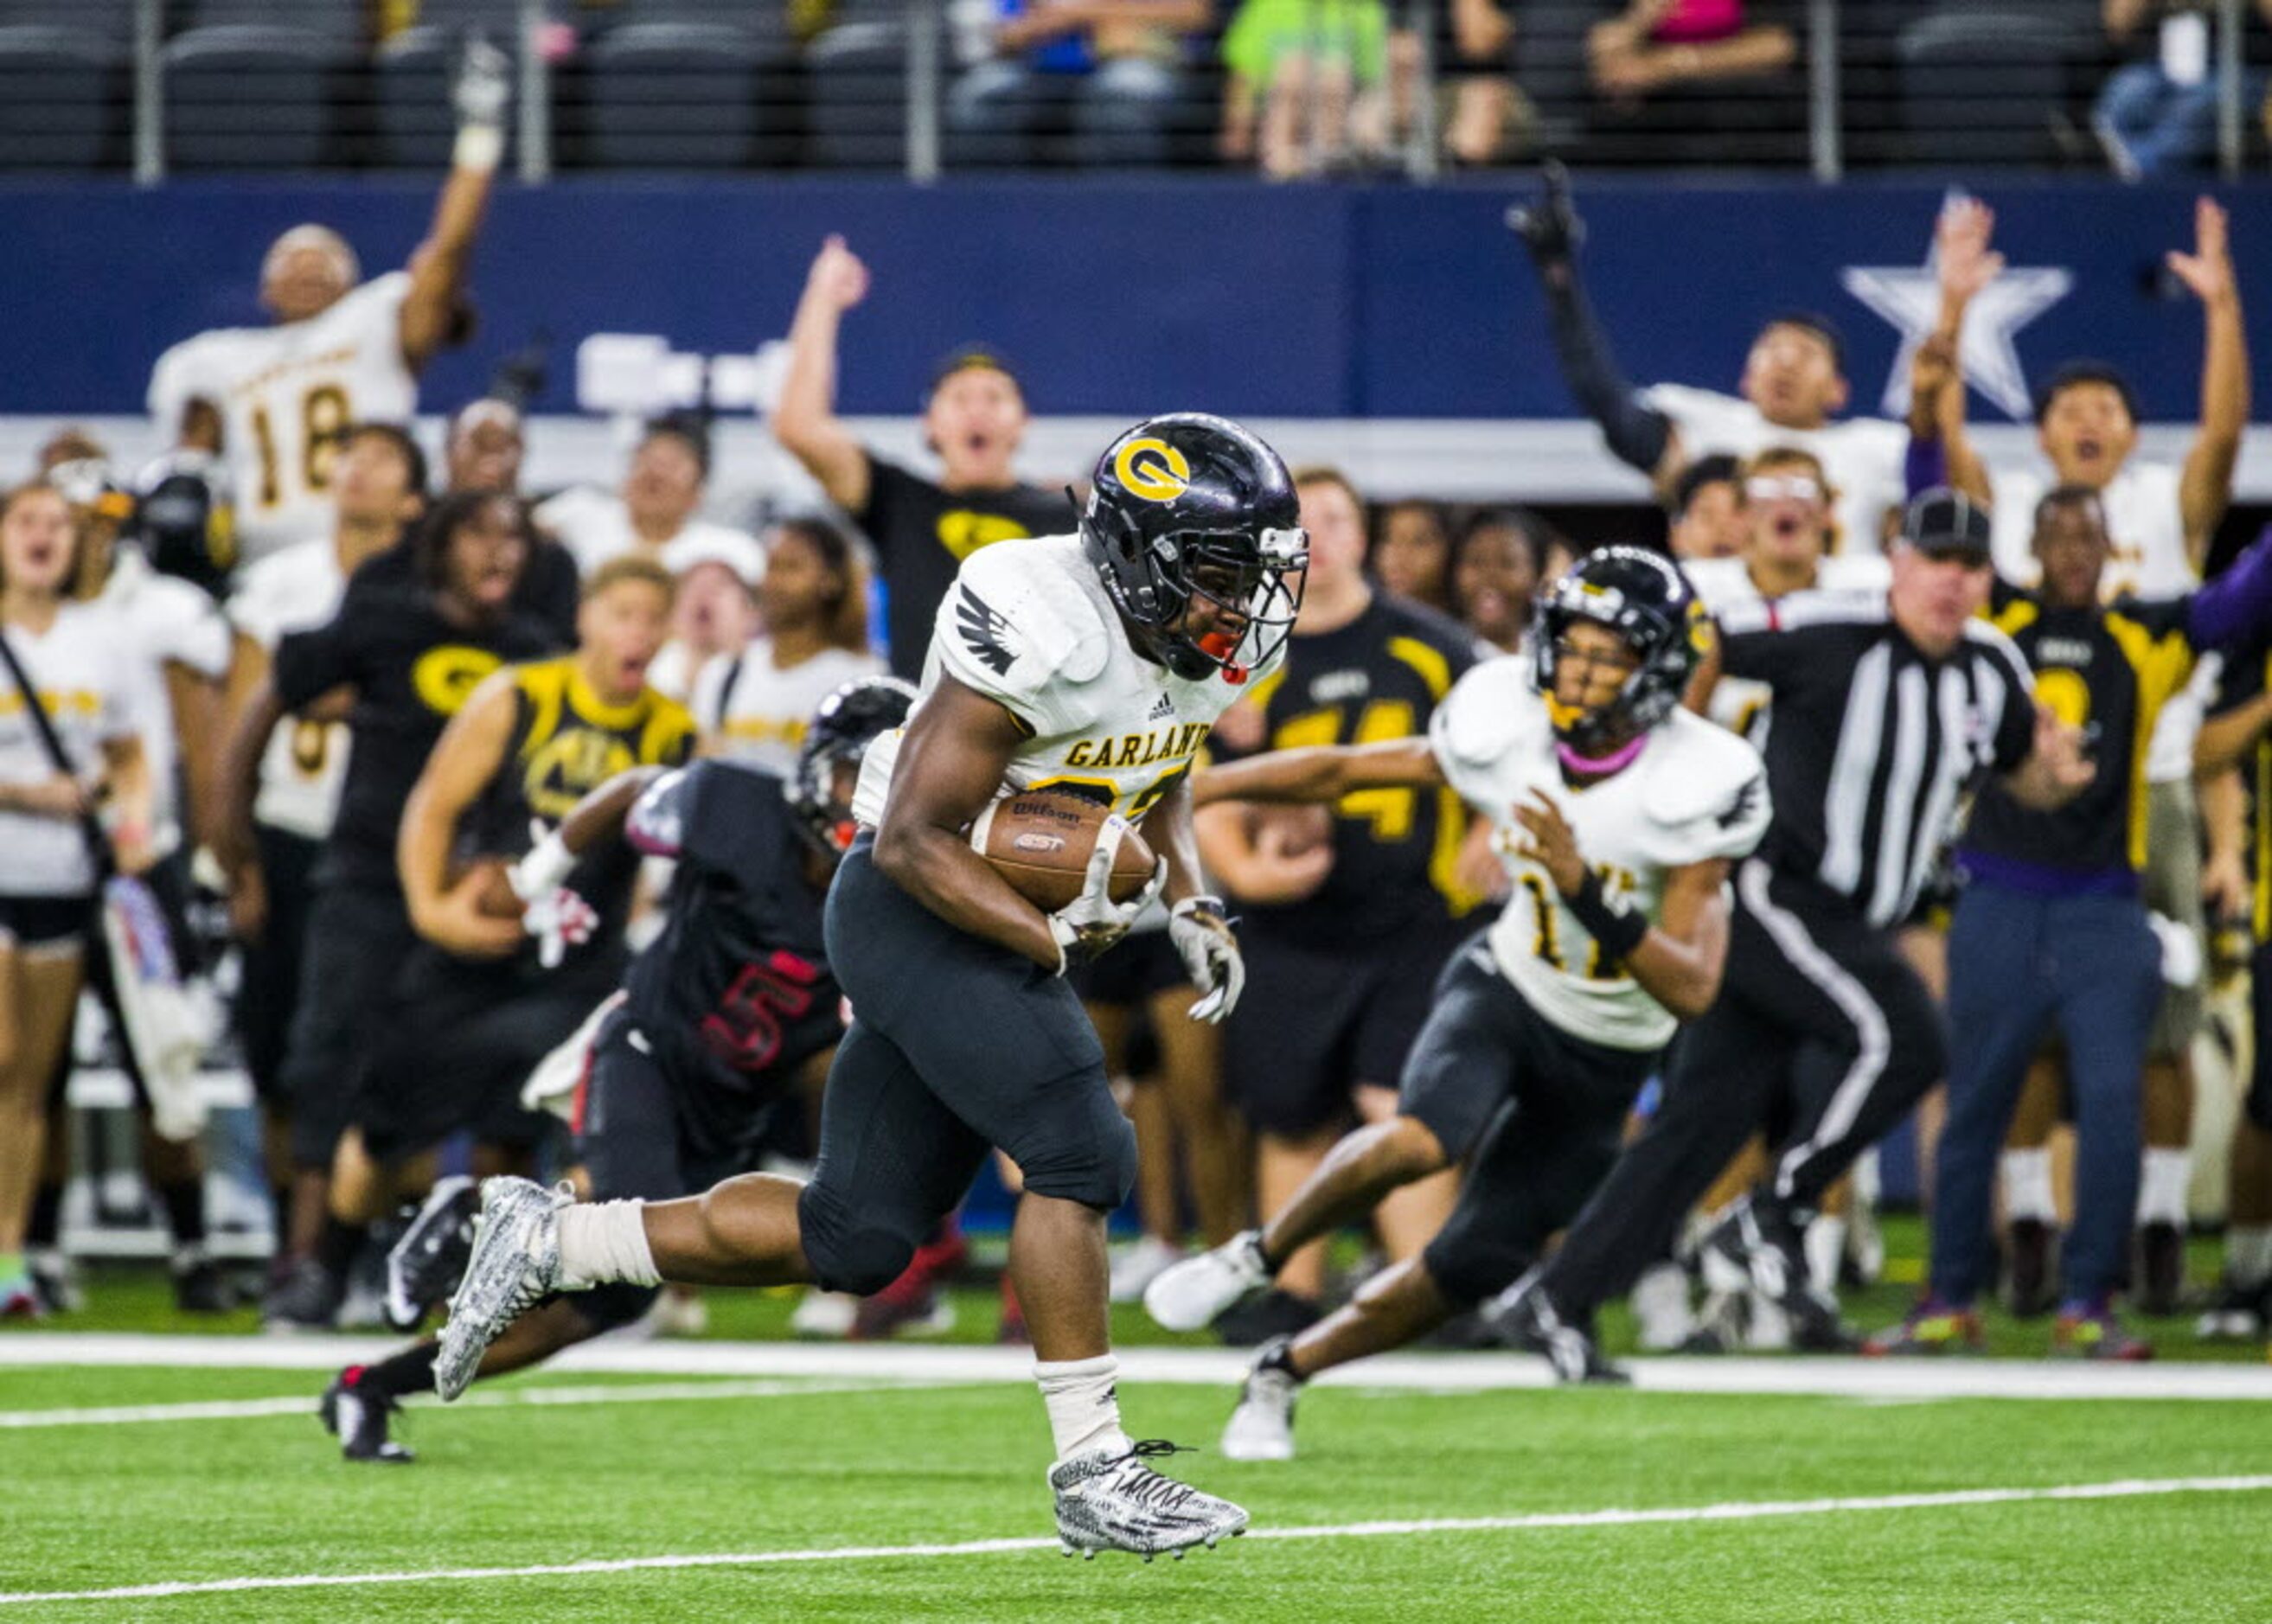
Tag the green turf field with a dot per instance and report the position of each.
(640, 1469)
(708, 1480)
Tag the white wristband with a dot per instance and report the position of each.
(480, 146)
(544, 869)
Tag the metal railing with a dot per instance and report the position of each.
(164, 87)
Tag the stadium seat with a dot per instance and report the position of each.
(682, 96)
(1983, 85)
(241, 97)
(334, 20)
(112, 20)
(858, 96)
(63, 98)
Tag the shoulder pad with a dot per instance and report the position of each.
(1707, 789)
(1488, 712)
(1015, 618)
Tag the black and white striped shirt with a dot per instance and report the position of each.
(1874, 743)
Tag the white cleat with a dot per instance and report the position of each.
(1142, 1261)
(1262, 1428)
(1109, 1499)
(515, 1265)
(1194, 1293)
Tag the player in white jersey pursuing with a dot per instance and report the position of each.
(1095, 662)
(274, 403)
(1616, 814)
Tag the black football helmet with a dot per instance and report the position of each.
(1192, 508)
(846, 723)
(1643, 597)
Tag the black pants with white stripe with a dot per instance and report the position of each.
(1823, 1035)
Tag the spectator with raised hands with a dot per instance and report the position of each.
(1793, 387)
(922, 528)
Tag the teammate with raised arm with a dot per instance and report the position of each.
(276, 403)
(1617, 815)
(1137, 633)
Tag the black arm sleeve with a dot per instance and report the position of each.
(1637, 434)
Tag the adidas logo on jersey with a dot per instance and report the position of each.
(1162, 710)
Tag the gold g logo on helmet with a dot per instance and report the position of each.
(1152, 469)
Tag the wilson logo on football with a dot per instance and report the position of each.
(1153, 469)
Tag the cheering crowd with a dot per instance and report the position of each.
(299, 668)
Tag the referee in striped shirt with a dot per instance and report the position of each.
(1887, 707)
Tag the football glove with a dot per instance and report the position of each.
(1550, 227)
(483, 87)
(1201, 934)
(559, 920)
(1092, 921)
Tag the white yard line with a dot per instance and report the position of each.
(1452, 1373)
(304, 1404)
(1738, 1511)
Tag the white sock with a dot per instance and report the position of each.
(1825, 1249)
(603, 1243)
(2162, 1183)
(2026, 1176)
(2248, 1254)
(1083, 1404)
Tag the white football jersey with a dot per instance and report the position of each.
(1738, 703)
(82, 668)
(167, 621)
(2145, 520)
(306, 763)
(1027, 623)
(287, 394)
(751, 710)
(1865, 457)
(594, 525)
(1695, 793)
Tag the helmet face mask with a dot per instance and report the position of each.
(848, 722)
(1643, 598)
(1194, 529)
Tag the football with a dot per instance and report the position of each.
(1040, 841)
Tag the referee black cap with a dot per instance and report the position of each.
(1946, 523)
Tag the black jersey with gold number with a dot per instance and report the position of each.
(566, 742)
(922, 531)
(1396, 850)
(2108, 671)
(411, 668)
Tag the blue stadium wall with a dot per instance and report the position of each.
(1116, 298)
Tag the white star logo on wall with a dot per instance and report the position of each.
(1910, 299)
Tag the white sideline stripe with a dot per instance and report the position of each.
(1738, 1511)
(304, 1404)
(1467, 1372)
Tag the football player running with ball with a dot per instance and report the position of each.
(1094, 662)
(1617, 815)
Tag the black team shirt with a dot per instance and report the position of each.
(922, 532)
(411, 669)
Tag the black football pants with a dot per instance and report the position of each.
(1823, 1035)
